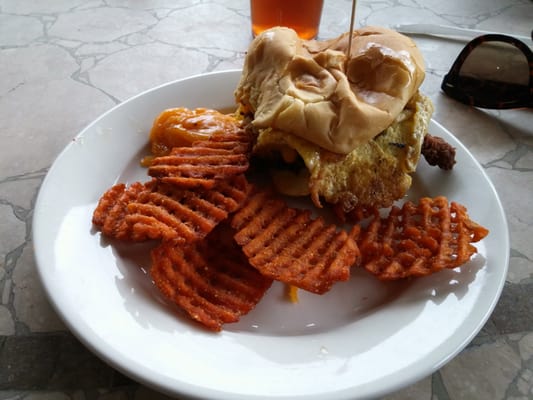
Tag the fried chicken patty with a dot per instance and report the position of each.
(374, 174)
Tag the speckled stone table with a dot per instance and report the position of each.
(64, 62)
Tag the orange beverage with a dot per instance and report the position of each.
(301, 15)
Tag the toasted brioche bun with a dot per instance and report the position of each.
(310, 89)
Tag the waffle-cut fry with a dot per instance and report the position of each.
(110, 213)
(162, 211)
(288, 245)
(205, 162)
(210, 280)
(238, 142)
(419, 239)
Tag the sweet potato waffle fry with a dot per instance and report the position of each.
(419, 239)
(205, 162)
(110, 213)
(237, 143)
(210, 280)
(288, 245)
(158, 210)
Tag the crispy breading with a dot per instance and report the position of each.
(438, 152)
(354, 215)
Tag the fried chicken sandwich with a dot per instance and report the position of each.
(347, 130)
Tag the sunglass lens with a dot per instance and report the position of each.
(494, 75)
(497, 62)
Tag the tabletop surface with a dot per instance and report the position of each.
(64, 63)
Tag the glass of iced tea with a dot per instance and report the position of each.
(301, 15)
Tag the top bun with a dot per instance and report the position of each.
(310, 88)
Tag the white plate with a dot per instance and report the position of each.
(364, 338)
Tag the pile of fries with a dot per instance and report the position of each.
(222, 240)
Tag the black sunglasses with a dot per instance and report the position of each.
(492, 71)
